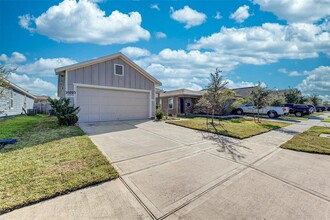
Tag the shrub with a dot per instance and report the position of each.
(65, 113)
(159, 114)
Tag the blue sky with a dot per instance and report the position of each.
(280, 43)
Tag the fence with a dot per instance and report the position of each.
(41, 107)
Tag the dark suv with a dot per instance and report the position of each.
(298, 110)
(321, 108)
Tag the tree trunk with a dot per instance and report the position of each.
(258, 115)
(212, 116)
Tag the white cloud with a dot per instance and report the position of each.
(135, 52)
(160, 35)
(234, 85)
(15, 57)
(282, 70)
(35, 86)
(83, 21)
(44, 67)
(188, 16)
(155, 6)
(217, 15)
(297, 10)
(316, 82)
(268, 43)
(241, 14)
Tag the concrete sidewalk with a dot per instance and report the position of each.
(177, 173)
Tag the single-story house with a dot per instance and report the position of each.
(183, 101)
(41, 99)
(108, 88)
(15, 100)
(179, 101)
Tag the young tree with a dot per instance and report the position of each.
(292, 95)
(260, 97)
(303, 100)
(4, 84)
(314, 99)
(277, 100)
(217, 96)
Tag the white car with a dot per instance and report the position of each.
(271, 111)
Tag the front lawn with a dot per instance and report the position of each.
(48, 160)
(326, 120)
(237, 128)
(310, 141)
(294, 117)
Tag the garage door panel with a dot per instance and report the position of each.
(108, 105)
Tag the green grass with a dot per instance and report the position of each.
(237, 128)
(48, 160)
(317, 114)
(326, 120)
(310, 141)
(294, 118)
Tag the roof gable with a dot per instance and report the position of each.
(107, 58)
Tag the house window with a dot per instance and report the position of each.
(188, 102)
(119, 70)
(170, 103)
(11, 101)
(24, 102)
(160, 103)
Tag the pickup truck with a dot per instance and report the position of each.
(271, 111)
(298, 110)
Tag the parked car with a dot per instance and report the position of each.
(271, 111)
(312, 108)
(298, 110)
(321, 108)
(328, 108)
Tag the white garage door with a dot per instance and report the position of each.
(109, 105)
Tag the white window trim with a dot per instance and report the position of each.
(11, 99)
(24, 104)
(189, 101)
(168, 103)
(114, 69)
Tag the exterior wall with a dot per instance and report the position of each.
(102, 74)
(61, 85)
(165, 108)
(18, 99)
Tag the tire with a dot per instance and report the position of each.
(299, 114)
(272, 114)
(239, 111)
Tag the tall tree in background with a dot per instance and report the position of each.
(260, 97)
(314, 99)
(293, 95)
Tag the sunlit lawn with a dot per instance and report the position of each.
(310, 141)
(47, 160)
(237, 128)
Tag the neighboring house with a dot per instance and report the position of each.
(15, 100)
(180, 101)
(41, 99)
(243, 92)
(108, 88)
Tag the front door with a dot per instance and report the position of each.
(182, 110)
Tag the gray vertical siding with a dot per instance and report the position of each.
(102, 74)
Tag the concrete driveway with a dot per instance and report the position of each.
(170, 172)
(181, 173)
